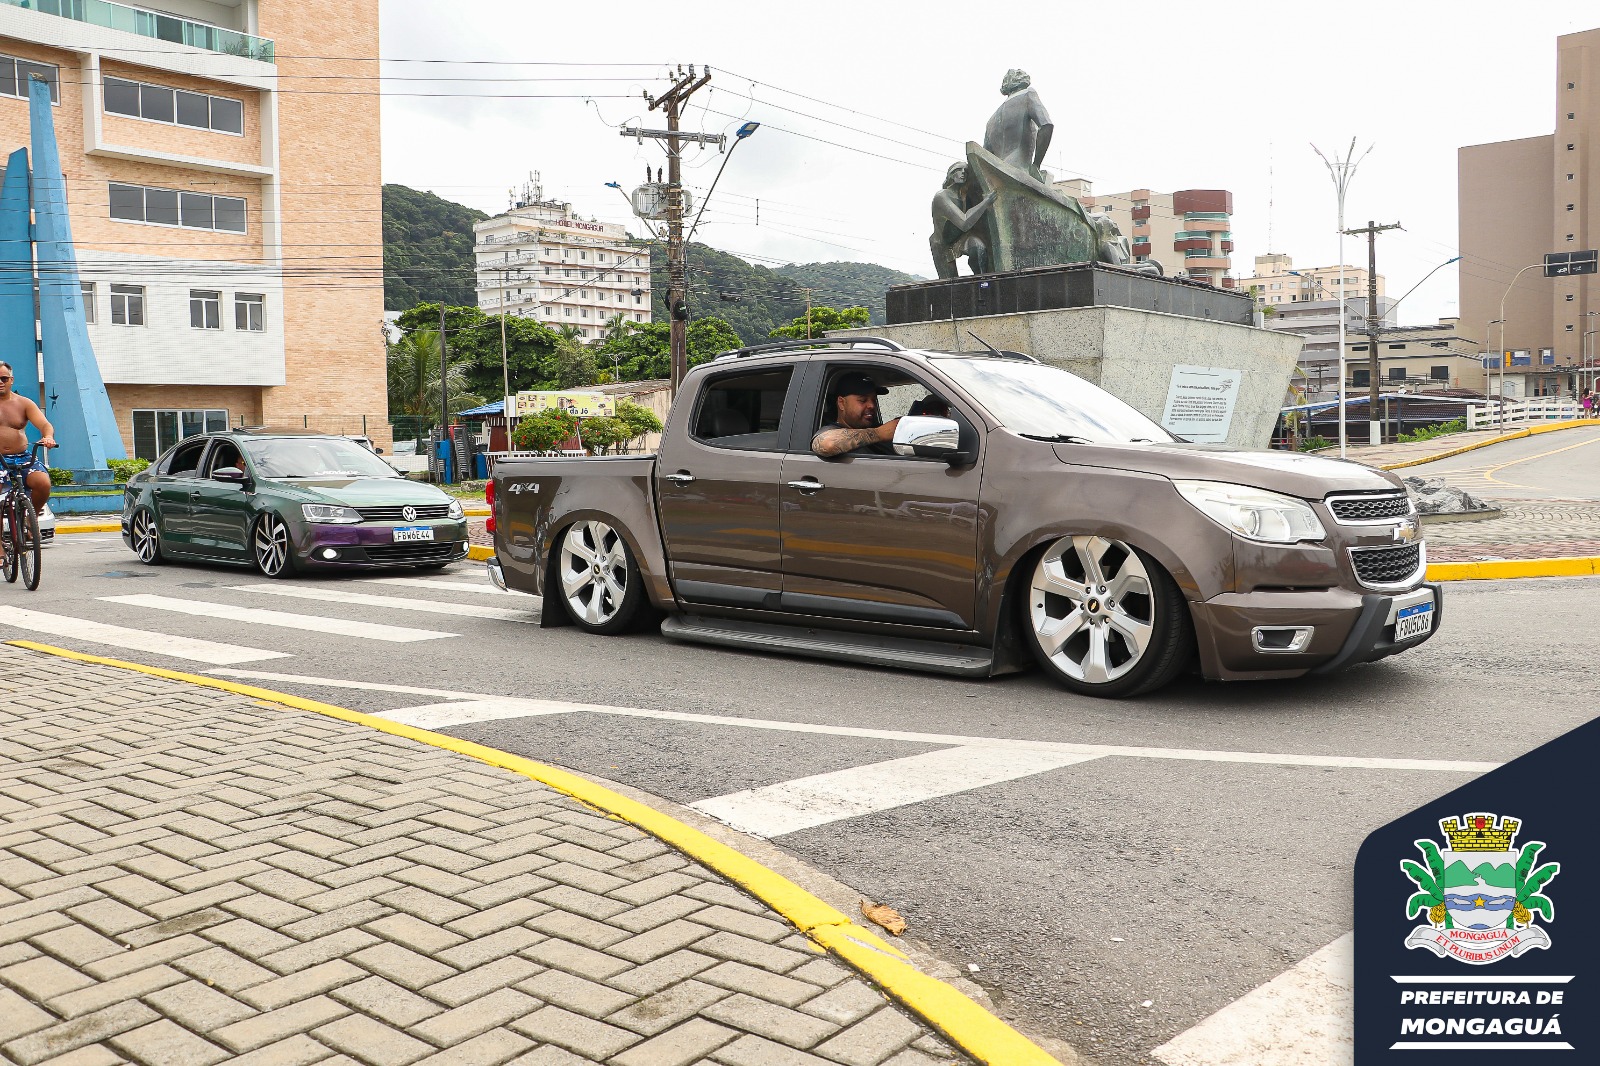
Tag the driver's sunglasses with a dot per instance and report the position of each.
(4, 380)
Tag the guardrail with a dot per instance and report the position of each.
(1522, 413)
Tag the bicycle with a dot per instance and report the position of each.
(20, 545)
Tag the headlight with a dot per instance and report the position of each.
(456, 510)
(322, 512)
(1255, 514)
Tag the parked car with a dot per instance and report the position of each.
(1042, 520)
(285, 500)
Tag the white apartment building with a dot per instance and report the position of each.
(538, 260)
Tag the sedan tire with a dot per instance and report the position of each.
(600, 583)
(272, 546)
(1105, 618)
(146, 537)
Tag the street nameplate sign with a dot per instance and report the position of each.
(1564, 264)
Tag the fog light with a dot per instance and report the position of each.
(1282, 639)
(330, 553)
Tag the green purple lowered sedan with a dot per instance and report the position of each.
(285, 501)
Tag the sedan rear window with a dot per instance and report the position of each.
(314, 457)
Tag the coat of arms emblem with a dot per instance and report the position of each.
(1480, 894)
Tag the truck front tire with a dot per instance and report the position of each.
(600, 584)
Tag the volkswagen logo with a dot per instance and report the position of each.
(409, 513)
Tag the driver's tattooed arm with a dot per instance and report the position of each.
(831, 442)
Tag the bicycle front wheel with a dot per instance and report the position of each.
(25, 539)
(8, 555)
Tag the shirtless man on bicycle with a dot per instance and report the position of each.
(16, 414)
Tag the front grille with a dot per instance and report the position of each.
(393, 514)
(402, 554)
(1369, 508)
(1387, 566)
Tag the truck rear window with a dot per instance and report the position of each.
(742, 410)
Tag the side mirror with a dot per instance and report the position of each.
(229, 473)
(930, 438)
(378, 450)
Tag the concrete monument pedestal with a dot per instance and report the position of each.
(1177, 369)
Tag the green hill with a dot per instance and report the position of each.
(847, 284)
(427, 249)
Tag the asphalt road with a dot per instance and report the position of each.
(1199, 861)
(1549, 466)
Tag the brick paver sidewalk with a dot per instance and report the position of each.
(189, 877)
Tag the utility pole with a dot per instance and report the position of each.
(808, 312)
(444, 398)
(677, 269)
(1374, 418)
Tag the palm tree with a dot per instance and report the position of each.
(413, 364)
(571, 333)
(618, 325)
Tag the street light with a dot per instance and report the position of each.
(1488, 375)
(1583, 347)
(1502, 348)
(1341, 171)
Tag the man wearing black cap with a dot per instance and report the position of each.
(855, 425)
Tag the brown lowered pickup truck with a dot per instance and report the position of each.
(1020, 514)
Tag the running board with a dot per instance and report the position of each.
(935, 656)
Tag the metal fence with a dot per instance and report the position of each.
(1518, 413)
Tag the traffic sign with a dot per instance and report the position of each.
(1563, 264)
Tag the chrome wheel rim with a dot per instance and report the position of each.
(594, 572)
(144, 537)
(272, 545)
(1091, 608)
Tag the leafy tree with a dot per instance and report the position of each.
(543, 431)
(645, 353)
(413, 366)
(575, 366)
(821, 320)
(603, 433)
(638, 418)
(533, 351)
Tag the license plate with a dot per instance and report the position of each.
(405, 533)
(1413, 621)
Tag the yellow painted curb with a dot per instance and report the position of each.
(90, 527)
(478, 553)
(966, 1024)
(477, 512)
(1552, 427)
(1501, 569)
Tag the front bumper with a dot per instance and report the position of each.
(371, 544)
(1348, 627)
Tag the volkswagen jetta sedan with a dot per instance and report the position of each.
(283, 501)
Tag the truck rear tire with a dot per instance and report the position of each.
(600, 583)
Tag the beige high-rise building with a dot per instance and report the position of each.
(225, 200)
(1522, 199)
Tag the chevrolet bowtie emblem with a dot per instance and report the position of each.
(1406, 531)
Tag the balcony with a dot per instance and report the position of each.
(1141, 212)
(157, 25)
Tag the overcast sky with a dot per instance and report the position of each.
(863, 106)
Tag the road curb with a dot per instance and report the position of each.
(1531, 431)
(966, 1024)
(89, 527)
(1501, 569)
(478, 553)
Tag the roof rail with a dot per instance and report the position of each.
(799, 344)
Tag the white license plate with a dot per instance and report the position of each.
(1413, 621)
(405, 533)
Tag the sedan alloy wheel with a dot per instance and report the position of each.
(146, 538)
(273, 552)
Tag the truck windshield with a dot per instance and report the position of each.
(1046, 401)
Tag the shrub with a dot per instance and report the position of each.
(60, 475)
(123, 469)
(543, 431)
(639, 419)
(1311, 444)
(1437, 430)
(603, 434)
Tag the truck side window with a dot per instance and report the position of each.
(742, 410)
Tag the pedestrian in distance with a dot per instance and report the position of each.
(1587, 403)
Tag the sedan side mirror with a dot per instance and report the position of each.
(378, 450)
(930, 438)
(229, 473)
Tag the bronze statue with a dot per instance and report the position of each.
(1020, 129)
(952, 226)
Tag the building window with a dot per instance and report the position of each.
(127, 305)
(1397, 373)
(205, 309)
(583, 293)
(88, 301)
(638, 299)
(1569, 207)
(548, 311)
(1569, 236)
(1569, 297)
(1397, 345)
(1569, 329)
(1571, 115)
(155, 431)
(169, 207)
(16, 73)
(1571, 147)
(1439, 373)
(582, 254)
(1358, 347)
(250, 312)
(550, 251)
(601, 256)
(567, 272)
(549, 270)
(567, 311)
(1361, 378)
(158, 103)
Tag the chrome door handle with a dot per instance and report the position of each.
(807, 486)
(678, 479)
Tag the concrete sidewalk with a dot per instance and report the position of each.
(190, 876)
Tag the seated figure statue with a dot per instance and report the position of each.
(1020, 129)
(953, 224)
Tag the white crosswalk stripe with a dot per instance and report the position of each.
(323, 594)
(808, 802)
(303, 622)
(210, 652)
(445, 585)
(440, 715)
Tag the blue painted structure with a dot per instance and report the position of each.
(75, 402)
(17, 345)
